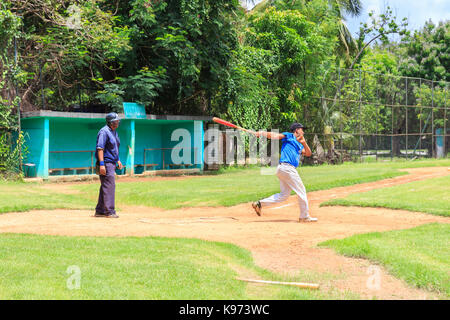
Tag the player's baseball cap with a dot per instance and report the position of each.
(296, 126)
(111, 117)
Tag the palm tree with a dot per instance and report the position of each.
(347, 44)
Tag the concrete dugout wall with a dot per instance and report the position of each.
(62, 143)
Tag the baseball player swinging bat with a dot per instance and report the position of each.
(293, 146)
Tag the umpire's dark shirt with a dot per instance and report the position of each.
(109, 141)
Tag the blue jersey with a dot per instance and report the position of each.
(290, 149)
(109, 141)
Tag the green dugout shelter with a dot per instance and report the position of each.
(63, 143)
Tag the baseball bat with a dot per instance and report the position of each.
(296, 284)
(229, 124)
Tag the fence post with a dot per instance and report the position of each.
(406, 106)
(420, 120)
(340, 113)
(445, 121)
(432, 118)
(376, 125)
(359, 116)
(392, 128)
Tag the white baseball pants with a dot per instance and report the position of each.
(289, 180)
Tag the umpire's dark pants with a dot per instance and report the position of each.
(107, 194)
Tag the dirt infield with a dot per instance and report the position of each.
(277, 241)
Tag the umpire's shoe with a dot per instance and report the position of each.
(257, 206)
(111, 216)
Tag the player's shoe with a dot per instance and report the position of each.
(257, 206)
(308, 219)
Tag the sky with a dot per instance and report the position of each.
(417, 12)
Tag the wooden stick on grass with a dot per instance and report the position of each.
(296, 284)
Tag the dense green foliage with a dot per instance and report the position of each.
(168, 55)
(199, 57)
(10, 77)
(283, 56)
(426, 53)
(175, 57)
(195, 57)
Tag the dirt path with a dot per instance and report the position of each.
(277, 241)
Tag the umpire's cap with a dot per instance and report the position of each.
(111, 117)
(296, 126)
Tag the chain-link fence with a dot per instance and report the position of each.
(366, 115)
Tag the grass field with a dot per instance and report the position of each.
(35, 267)
(234, 186)
(43, 267)
(19, 196)
(421, 255)
(429, 196)
(228, 187)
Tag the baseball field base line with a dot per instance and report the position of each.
(186, 221)
(296, 284)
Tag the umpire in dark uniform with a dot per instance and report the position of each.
(107, 155)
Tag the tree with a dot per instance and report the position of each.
(65, 46)
(169, 55)
(180, 52)
(11, 139)
(347, 45)
(246, 96)
(301, 51)
(426, 53)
